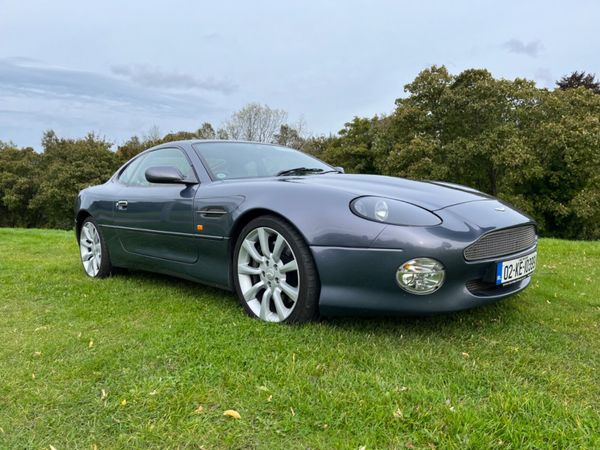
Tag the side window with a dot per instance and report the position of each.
(162, 157)
(129, 171)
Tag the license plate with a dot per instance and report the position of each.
(515, 269)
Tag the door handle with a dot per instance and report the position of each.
(121, 204)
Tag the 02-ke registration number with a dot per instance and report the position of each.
(515, 269)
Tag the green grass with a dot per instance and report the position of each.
(523, 373)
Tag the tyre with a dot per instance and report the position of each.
(94, 252)
(274, 274)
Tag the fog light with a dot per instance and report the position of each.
(421, 276)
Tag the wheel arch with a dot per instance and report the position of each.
(244, 219)
(81, 216)
(247, 216)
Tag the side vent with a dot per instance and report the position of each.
(212, 212)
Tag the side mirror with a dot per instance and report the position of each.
(340, 169)
(165, 174)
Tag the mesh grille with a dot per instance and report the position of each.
(502, 242)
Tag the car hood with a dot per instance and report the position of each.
(430, 195)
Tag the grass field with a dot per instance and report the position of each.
(144, 361)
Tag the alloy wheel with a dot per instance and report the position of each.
(268, 275)
(91, 249)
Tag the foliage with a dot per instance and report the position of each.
(579, 79)
(289, 137)
(135, 145)
(69, 165)
(535, 148)
(354, 146)
(39, 189)
(145, 361)
(206, 131)
(19, 182)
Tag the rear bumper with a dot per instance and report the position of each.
(363, 281)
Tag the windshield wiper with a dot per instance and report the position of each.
(299, 171)
(330, 171)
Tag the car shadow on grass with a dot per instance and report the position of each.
(503, 313)
(453, 323)
(187, 287)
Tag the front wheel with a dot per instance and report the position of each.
(93, 250)
(273, 272)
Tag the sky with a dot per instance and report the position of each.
(120, 68)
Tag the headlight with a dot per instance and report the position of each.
(394, 212)
(382, 210)
(421, 276)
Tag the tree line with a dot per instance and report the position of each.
(38, 189)
(536, 148)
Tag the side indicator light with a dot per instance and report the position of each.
(199, 227)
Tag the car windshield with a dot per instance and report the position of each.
(245, 160)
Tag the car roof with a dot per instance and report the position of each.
(214, 141)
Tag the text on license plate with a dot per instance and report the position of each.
(507, 271)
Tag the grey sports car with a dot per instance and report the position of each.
(295, 237)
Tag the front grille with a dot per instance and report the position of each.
(501, 242)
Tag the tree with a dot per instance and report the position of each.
(579, 79)
(130, 148)
(135, 145)
(535, 148)
(68, 166)
(19, 182)
(318, 146)
(177, 136)
(289, 136)
(353, 150)
(153, 134)
(222, 134)
(206, 131)
(468, 129)
(254, 122)
(566, 140)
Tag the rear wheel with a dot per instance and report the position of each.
(93, 250)
(274, 274)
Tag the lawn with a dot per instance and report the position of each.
(144, 361)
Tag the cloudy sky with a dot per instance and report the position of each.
(120, 67)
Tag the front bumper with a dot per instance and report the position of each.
(363, 281)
